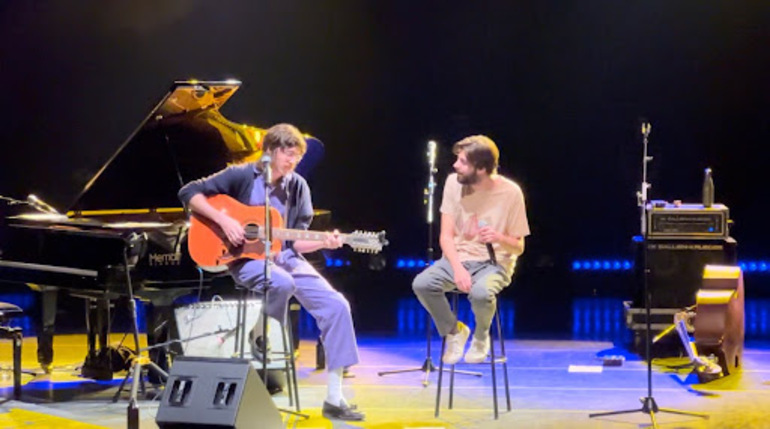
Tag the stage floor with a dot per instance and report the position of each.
(554, 384)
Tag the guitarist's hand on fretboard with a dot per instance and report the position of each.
(333, 240)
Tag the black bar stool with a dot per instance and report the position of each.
(286, 354)
(493, 361)
(14, 334)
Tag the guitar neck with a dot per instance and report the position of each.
(300, 234)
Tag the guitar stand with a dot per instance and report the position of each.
(705, 367)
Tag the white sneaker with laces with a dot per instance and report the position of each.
(455, 344)
(478, 351)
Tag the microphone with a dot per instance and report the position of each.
(40, 204)
(432, 153)
(428, 191)
(490, 249)
(265, 166)
(646, 127)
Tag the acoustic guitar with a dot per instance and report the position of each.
(210, 248)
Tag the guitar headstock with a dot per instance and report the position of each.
(366, 242)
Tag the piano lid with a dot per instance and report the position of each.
(184, 137)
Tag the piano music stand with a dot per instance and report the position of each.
(140, 361)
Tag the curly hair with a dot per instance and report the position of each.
(283, 136)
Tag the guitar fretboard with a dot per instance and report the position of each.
(298, 234)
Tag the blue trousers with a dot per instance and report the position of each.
(291, 276)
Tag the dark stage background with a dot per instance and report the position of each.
(559, 85)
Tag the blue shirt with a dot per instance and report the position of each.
(279, 195)
(239, 182)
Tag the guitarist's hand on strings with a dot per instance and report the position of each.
(333, 240)
(233, 230)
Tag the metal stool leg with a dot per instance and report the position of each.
(494, 360)
(504, 358)
(452, 370)
(440, 376)
(290, 365)
(288, 356)
(17, 339)
(493, 363)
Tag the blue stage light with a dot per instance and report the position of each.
(338, 262)
(410, 263)
(755, 266)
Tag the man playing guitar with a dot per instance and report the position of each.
(291, 274)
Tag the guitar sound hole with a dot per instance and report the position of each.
(252, 231)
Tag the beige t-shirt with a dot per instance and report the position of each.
(502, 208)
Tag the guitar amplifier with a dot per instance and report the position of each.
(690, 221)
(208, 329)
(675, 268)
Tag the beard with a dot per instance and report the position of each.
(468, 179)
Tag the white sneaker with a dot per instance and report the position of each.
(455, 344)
(478, 351)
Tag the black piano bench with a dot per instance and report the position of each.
(8, 311)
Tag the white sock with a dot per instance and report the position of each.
(334, 387)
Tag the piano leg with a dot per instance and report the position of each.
(97, 323)
(103, 323)
(46, 327)
(98, 363)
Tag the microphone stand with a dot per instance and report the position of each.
(649, 406)
(427, 365)
(267, 174)
(140, 361)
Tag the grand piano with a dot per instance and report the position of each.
(125, 233)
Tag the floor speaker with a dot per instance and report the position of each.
(214, 392)
(675, 268)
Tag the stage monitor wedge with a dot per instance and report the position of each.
(216, 392)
